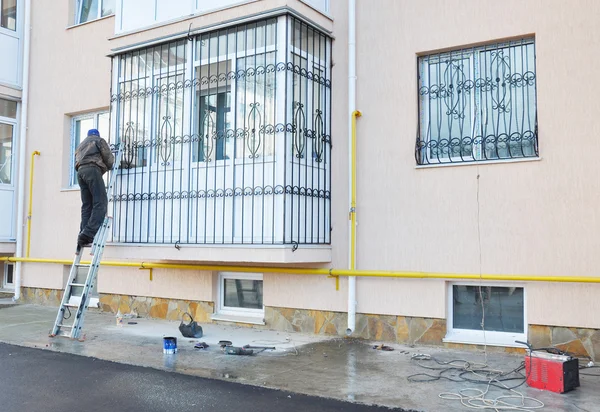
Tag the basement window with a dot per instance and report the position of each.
(492, 314)
(240, 298)
(9, 270)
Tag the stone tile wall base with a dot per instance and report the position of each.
(400, 329)
(579, 341)
(423, 331)
(159, 308)
(384, 328)
(39, 296)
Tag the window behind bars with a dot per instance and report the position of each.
(478, 104)
(226, 137)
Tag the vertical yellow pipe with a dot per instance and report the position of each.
(36, 153)
(355, 114)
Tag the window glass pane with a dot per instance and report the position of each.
(8, 108)
(503, 307)
(108, 7)
(450, 108)
(169, 119)
(89, 10)
(103, 125)
(507, 101)
(135, 121)
(6, 139)
(214, 128)
(243, 293)
(9, 14)
(9, 273)
(256, 105)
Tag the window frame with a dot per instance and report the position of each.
(86, 116)
(479, 337)
(476, 104)
(11, 122)
(79, 7)
(5, 283)
(235, 311)
(232, 86)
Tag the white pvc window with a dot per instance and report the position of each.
(8, 278)
(88, 10)
(79, 128)
(138, 14)
(478, 104)
(8, 126)
(321, 5)
(490, 314)
(241, 294)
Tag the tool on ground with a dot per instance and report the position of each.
(201, 345)
(383, 347)
(224, 343)
(80, 302)
(191, 329)
(259, 347)
(551, 369)
(234, 350)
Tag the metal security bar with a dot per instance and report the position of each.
(478, 104)
(227, 137)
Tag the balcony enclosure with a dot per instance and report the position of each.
(226, 137)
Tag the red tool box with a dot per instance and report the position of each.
(551, 372)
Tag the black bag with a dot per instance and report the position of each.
(190, 330)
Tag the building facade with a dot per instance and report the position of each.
(11, 82)
(234, 119)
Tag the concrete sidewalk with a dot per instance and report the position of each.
(343, 369)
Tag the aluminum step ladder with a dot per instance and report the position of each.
(76, 289)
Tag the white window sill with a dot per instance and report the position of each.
(89, 22)
(226, 253)
(252, 320)
(70, 189)
(479, 162)
(94, 302)
(501, 339)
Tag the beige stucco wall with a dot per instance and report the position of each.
(535, 217)
(70, 74)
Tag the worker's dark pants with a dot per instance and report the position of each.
(93, 199)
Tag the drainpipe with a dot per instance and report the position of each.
(22, 147)
(351, 169)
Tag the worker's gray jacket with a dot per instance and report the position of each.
(94, 150)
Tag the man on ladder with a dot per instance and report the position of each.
(93, 158)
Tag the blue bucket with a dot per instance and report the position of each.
(169, 345)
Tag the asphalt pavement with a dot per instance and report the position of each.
(34, 380)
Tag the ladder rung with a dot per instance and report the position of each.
(79, 285)
(81, 265)
(60, 325)
(71, 305)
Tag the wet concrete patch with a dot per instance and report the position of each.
(345, 369)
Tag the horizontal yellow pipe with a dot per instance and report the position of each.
(327, 272)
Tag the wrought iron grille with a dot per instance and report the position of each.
(478, 104)
(226, 137)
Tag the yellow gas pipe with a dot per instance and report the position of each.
(29, 212)
(322, 272)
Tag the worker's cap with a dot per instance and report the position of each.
(93, 132)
